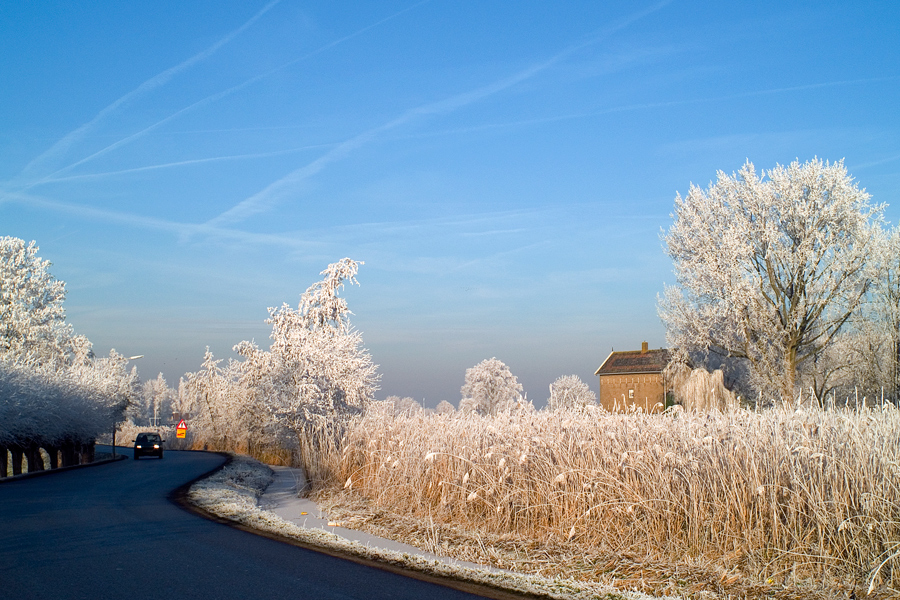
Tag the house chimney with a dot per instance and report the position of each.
(644, 347)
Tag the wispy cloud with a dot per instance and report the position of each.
(204, 101)
(62, 146)
(135, 136)
(182, 231)
(496, 256)
(467, 223)
(875, 163)
(356, 33)
(296, 240)
(661, 104)
(278, 190)
(184, 163)
(389, 232)
(494, 232)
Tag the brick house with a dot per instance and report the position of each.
(634, 378)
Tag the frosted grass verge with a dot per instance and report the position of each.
(233, 493)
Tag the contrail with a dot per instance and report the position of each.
(154, 82)
(660, 104)
(182, 163)
(352, 35)
(144, 131)
(305, 240)
(214, 97)
(874, 163)
(183, 231)
(268, 196)
(443, 106)
(302, 241)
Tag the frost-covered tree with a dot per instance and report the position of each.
(182, 401)
(294, 395)
(54, 393)
(569, 391)
(316, 369)
(865, 359)
(445, 408)
(251, 387)
(886, 301)
(212, 402)
(156, 402)
(404, 406)
(39, 409)
(769, 268)
(61, 409)
(225, 414)
(115, 387)
(492, 388)
(468, 406)
(33, 326)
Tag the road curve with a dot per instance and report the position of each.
(110, 532)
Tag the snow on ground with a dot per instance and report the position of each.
(238, 492)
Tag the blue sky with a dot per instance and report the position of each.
(504, 169)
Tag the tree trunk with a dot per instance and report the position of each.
(897, 370)
(33, 458)
(4, 461)
(53, 451)
(68, 454)
(87, 452)
(789, 381)
(16, 452)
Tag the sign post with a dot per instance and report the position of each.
(181, 430)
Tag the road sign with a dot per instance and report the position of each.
(181, 430)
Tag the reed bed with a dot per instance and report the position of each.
(776, 496)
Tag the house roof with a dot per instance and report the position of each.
(634, 361)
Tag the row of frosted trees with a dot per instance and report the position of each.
(284, 403)
(490, 388)
(56, 396)
(292, 401)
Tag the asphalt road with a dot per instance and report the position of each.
(109, 532)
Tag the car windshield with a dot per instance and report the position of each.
(151, 437)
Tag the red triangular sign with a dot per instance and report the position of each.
(181, 425)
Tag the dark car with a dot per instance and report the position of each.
(148, 444)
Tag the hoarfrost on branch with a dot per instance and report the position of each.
(52, 387)
(490, 387)
(769, 268)
(316, 368)
(569, 391)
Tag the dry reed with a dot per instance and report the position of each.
(776, 496)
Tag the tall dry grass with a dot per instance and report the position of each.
(778, 494)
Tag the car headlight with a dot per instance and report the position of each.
(138, 447)
(156, 446)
